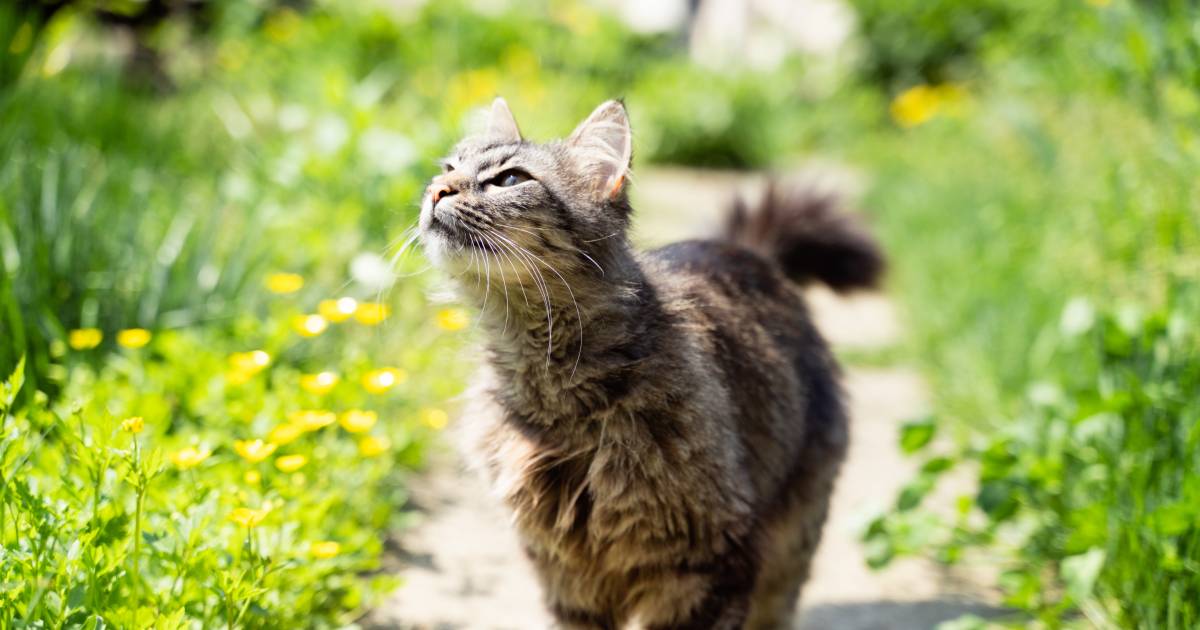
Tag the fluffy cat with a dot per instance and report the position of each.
(666, 427)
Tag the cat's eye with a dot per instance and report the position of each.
(509, 178)
(447, 167)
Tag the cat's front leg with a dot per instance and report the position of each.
(714, 600)
(567, 617)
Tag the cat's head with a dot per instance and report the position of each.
(508, 207)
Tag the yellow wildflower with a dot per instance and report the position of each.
(290, 463)
(915, 106)
(282, 25)
(133, 425)
(249, 518)
(252, 477)
(312, 419)
(371, 313)
(253, 451)
(358, 421)
(84, 338)
(189, 457)
(285, 434)
(250, 362)
(284, 282)
(338, 310)
(452, 319)
(434, 418)
(319, 384)
(244, 365)
(133, 337)
(372, 445)
(383, 379)
(309, 325)
(325, 549)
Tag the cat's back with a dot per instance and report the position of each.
(750, 322)
(724, 281)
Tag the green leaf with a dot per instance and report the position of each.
(937, 465)
(913, 493)
(14, 383)
(916, 434)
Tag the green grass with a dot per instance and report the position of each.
(1045, 235)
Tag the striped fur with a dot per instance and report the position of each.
(666, 427)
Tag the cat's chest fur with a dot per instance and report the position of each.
(645, 481)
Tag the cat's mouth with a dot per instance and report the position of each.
(454, 232)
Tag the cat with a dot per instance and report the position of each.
(665, 427)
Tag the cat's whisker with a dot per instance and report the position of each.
(571, 292)
(597, 240)
(483, 256)
(571, 248)
(543, 289)
(503, 280)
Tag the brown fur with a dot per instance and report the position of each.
(665, 427)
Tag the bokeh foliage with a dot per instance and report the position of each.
(1045, 229)
(1034, 185)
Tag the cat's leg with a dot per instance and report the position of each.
(717, 598)
(575, 599)
(790, 544)
(567, 617)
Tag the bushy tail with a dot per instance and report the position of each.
(806, 232)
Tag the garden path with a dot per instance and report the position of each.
(461, 564)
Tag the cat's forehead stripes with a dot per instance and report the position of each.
(496, 158)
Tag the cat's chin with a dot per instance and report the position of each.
(447, 253)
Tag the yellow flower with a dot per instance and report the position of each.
(249, 518)
(915, 105)
(383, 379)
(133, 337)
(358, 421)
(309, 325)
(251, 362)
(284, 282)
(452, 319)
(84, 338)
(372, 445)
(371, 313)
(253, 451)
(285, 434)
(434, 418)
(244, 365)
(282, 25)
(290, 463)
(133, 425)
(325, 549)
(252, 477)
(189, 457)
(319, 384)
(338, 310)
(312, 419)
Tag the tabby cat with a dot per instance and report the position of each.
(665, 426)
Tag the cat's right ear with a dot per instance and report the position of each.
(604, 143)
(501, 125)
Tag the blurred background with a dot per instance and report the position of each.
(203, 207)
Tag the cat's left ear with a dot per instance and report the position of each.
(604, 144)
(501, 123)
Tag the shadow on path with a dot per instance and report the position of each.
(892, 615)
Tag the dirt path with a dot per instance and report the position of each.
(463, 567)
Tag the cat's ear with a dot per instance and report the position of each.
(604, 144)
(501, 124)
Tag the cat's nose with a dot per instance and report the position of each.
(439, 191)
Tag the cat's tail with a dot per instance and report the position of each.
(807, 233)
